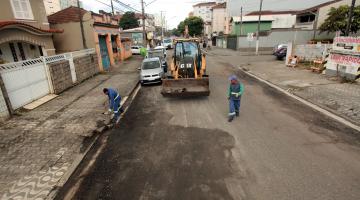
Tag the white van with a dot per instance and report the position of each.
(168, 43)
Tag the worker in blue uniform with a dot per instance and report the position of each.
(114, 102)
(236, 89)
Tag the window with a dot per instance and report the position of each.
(13, 52)
(21, 49)
(307, 18)
(22, 9)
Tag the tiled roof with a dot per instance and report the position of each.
(70, 14)
(318, 6)
(220, 5)
(5, 24)
(205, 4)
(269, 12)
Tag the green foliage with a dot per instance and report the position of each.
(195, 24)
(128, 21)
(337, 20)
(175, 32)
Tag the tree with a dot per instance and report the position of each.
(175, 32)
(195, 24)
(337, 20)
(128, 21)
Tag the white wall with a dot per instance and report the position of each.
(204, 12)
(4, 113)
(218, 20)
(325, 10)
(52, 6)
(283, 21)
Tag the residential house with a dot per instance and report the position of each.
(52, 6)
(219, 19)
(24, 31)
(280, 19)
(203, 10)
(101, 31)
(136, 34)
(312, 18)
(67, 3)
(249, 24)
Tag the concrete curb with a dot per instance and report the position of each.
(98, 132)
(313, 106)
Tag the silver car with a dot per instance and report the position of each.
(151, 71)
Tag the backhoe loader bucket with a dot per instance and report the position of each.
(186, 87)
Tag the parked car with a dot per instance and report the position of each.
(281, 53)
(168, 43)
(151, 71)
(279, 46)
(135, 49)
(159, 54)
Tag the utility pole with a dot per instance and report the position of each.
(241, 21)
(81, 26)
(143, 23)
(258, 29)
(315, 23)
(112, 7)
(162, 26)
(351, 13)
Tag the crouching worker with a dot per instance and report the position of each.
(236, 89)
(114, 103)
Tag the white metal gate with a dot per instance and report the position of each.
(25, 81)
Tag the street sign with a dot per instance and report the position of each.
(250, 37)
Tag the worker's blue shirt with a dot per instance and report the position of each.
(114, 96)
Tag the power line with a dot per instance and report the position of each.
(118, 9)
(126, 6)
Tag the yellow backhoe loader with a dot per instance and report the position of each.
(187, 71)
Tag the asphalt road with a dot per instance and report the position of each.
(185, 149)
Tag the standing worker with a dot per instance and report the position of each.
(114, 103)
(236, 89)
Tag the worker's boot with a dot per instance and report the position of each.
(237, 114)
(231, 118)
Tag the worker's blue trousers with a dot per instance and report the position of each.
(117, 107)
(234, 105)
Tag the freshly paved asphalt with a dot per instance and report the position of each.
(185, 149)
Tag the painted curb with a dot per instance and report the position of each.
(313, 106)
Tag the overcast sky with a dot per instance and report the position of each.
(178, 10)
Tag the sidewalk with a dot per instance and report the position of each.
(38, 147)
(339, 98)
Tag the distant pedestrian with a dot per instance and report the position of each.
(236, 89)
(114, 103)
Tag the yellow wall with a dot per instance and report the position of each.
(38, 10)
(71, 39)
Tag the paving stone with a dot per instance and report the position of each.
(37, 147)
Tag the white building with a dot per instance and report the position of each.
(219, 17)
(313, 17)
(52, 6)
(67, 3)
(280, 19)
(203, 10)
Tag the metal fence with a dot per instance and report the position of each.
(29, 80)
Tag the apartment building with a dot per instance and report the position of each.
(52, 6)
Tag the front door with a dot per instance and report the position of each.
(104, 52)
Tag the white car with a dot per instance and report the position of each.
(151, 71)
(167, 43)
(135, 49)
(162, 48)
